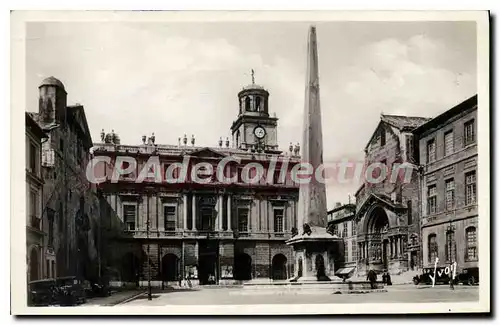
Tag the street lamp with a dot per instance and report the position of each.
(147, 239)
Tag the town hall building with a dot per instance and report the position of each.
(212, 232)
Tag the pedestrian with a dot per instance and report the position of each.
(372, 277)
(180, 280)
(388, 279)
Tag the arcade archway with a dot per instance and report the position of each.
(279, 267)
(170, 267)
(242, 267)
(34, 264)
(131, 266)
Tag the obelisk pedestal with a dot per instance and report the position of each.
(315, 249)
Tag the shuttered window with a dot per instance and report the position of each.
(448, 143)
(129, 213)
(431, 151)
(170, 216)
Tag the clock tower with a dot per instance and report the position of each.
(254, 130)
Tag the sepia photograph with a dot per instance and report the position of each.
(250, 162)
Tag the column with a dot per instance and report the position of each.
(396, 247)
(194, 212)
(229, 213)
(185, 211)
(220, 205)
(391, 242)
(401, 246)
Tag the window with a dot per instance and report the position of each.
(450, 252)
(33, 158)
(345, 233)
(409, 211)
(169, 216)
(335, 230)
(278, 220)
(431, 151)
(382, 137)
(33, 202)
(51, 229)
(471, 236)
(409, 147)
(247, 103)
(129, 213)
(354, 251)
(433, 248)
(450, 194)
(470, 188)
(353, 228)
(243, 220)
(448, 143)
(257, 104)
(469, 136)
(431, 200)
(346, 251)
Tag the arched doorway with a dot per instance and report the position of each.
(170, 267)
(131, 267)
(378, 227)
(320, 267)
(34, 264)
(242, 267)
(279, 267)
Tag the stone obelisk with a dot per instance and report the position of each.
(315, 249)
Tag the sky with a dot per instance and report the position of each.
(181, 78)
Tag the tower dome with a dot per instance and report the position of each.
(52, 81)
(253, 99)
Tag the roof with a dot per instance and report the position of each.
(73, 111)
(52, 81)
(32, 124)
(404, 122)
(253, 87)
(462, 107)
(342, 207)
(400, 122)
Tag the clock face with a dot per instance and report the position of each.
(259, 132)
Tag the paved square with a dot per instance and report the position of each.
(239, 296)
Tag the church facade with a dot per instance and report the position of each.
(387, 210)
(211, 231)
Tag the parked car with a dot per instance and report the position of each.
(43, 293)
(72, 290)
(469, 276)
(425, 277)
(98, 289)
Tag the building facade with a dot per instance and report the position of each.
(387, 207)
(448, 154)
(67, 195)
(341, 222)
(209, 230)
(36, 234)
